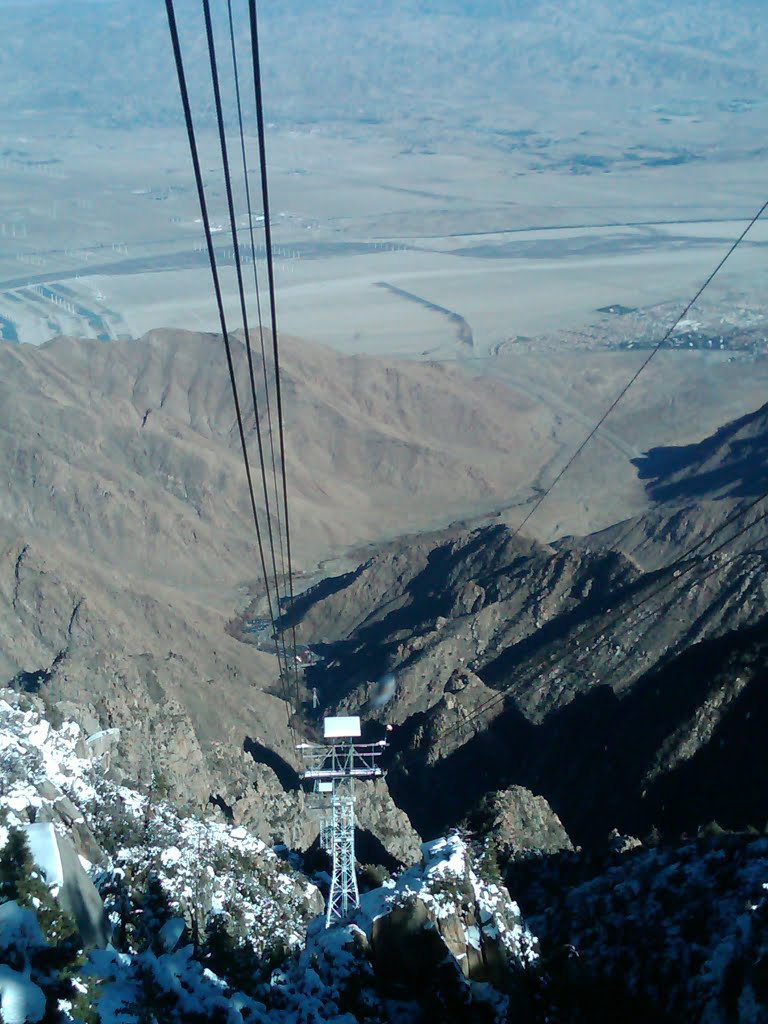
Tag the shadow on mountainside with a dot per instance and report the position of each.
(433, 592)
(732, 462)
(368, 653)
(287, 776)
(590, 759)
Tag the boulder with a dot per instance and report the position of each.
(443, 910)
(84, 714)
(406, 945)
(105, 741)
(58, 808)
(520, 823)
(58, 861)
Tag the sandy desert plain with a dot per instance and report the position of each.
(510, 250)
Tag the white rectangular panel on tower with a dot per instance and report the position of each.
(342, 728)
(325, 787)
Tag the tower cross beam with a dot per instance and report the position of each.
(333, 767)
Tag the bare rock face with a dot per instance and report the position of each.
(377, 813)
(57, 807)
(520, 823)
(271, 812)
(126, 552)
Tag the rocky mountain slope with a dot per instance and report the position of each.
(126, 545)
(126, 556)
(130, 450)
(626, 694)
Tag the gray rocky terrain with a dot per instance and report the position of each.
(129, 576)
(610, 674)
(127, 551)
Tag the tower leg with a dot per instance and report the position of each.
(344, 896)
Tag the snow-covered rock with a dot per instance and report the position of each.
(21, 1000)
(420, 948)
(102, 742)
(18, 928)
(69, 881)
(443, 905)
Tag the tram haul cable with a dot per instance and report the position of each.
(189, 121)
(241, 294)
(256, 62)
(256, 288)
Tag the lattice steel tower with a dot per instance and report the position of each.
(333, 766)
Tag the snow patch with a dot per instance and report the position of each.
(21, 1001)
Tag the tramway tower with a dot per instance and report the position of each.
(333, 766)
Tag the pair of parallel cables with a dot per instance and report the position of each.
(275, 594)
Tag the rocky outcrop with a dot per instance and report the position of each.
(126, 534)
(519, 823)
(441, 940)
(60, 865)
(443, 908)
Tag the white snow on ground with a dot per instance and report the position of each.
(30, 753)
(685, 923)
(192, 857)
(719, 897)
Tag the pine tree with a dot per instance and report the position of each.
(116, 894)
(236, 962)
(155, 912)
(219, 946)
(15, 865)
